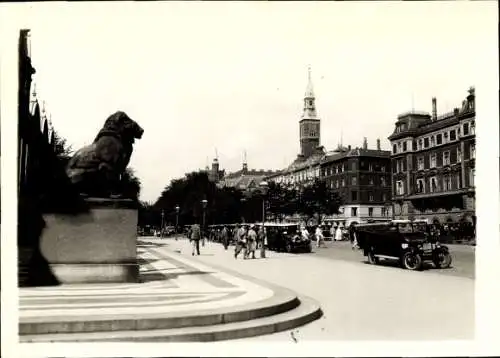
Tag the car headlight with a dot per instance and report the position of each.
(404, 245)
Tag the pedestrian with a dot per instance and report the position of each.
(338, 234)
(353, 236)
(332, 232)
(224, 237)
(240, 239)
(319, 236)
(195, 239)
(262, 240)
(251, 242)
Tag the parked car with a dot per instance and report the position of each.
(409, 242)
(286, 237)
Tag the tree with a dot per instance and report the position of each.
(317, 199)
(281, 200)
(62, 149)
(131, 184)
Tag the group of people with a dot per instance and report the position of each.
(248, 240)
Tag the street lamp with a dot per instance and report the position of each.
(264, 186)
(204, 203)
(162, 223)
(177, 208)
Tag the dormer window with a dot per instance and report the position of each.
(404, 146)
(439, 139)
(445, 136)
(420, 142)
(433, 143)
(426, 142)
(453, 135)
(394, 149)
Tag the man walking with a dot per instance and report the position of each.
(251, 242)
(195, 239)
(224, 236)
(262, 241)
(319, 236)
(240, 239)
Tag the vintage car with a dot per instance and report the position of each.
(286, 237)
(409, 242)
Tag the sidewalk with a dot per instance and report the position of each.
(176, 297)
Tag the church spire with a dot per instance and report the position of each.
(309, 99)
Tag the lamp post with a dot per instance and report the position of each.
(177, 208)
(204, 203)
(162, 223)
(264, 186)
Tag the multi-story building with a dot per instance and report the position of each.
(433, 164)
(360, 175)
(362, 178)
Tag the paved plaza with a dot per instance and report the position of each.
(359, 301)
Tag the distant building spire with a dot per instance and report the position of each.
(245, 164)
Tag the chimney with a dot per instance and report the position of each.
(378, 144)
(434, 109)
(365, 143)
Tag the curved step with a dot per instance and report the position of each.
(283, 300)
(306, 312)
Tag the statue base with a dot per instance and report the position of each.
(93, 247)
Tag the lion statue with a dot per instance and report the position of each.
(96, 169)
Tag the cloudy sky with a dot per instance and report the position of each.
(199, 76)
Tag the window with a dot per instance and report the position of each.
(371, 180)
(472, 128)
(439, 139)
(433, 160)
(354, 181)
(472, 151)
(331, 185)
(354, 211)
(354, 195)
(446, 158)
(343, 182)
(394, 149)
(399, 146)
(414, 145)
(370, 167)
(382, 168)
(459, 155)
(459, 177)
(471, 177)
(453, 135)
(382, 181)
(370, 196)
(433, 142)
(384, 211)
(420, 163)
(310, 102)
(426, 142)
(420, 144)
(445, 137)
(446, 182)
(404, 146)
(370, 212)
(353, 166)
(466, 128)
(420, 186)
(433, 186)
(399, 188)
(384, 197)
(336, 183)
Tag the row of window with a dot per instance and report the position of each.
(383, 212)
(433, 161)
(433, 140)
(354, 181)
(341, 168)
(354, 196)
(433, 185)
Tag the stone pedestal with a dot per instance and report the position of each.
(98, 246)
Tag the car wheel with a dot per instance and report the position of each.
(288, 248)
(412, 261)
(442, 259)
(309, 248)
(372, 258)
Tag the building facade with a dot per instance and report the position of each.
(362, 178)
(433, 164)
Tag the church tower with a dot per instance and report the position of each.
(310, 122)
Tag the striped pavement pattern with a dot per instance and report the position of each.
(169, 283)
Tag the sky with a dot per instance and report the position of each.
(201, 77)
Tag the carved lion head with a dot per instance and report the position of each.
(121, 123)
